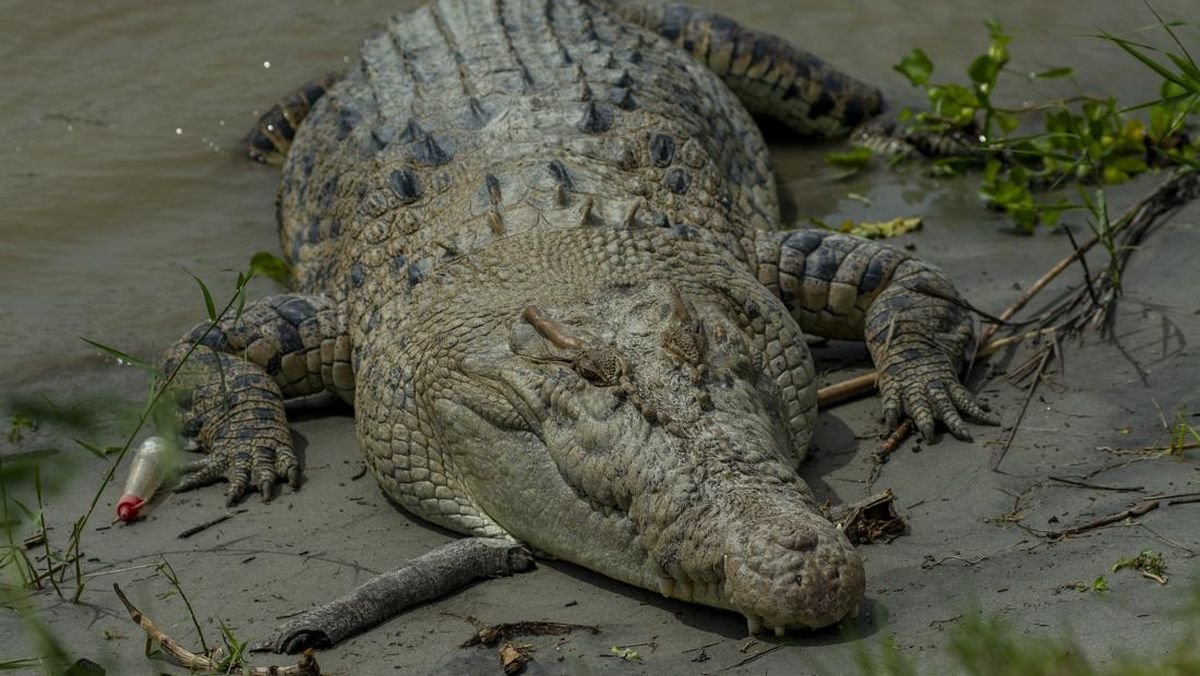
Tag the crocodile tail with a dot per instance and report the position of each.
(269, 140)
(768, 74)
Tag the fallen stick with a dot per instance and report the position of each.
(307, 666)
(864, 384)
(1098, 487)
(1151, 449)
(204, 526)
(1135, 511)
(444, 570)
(998, 454)
(758, 655)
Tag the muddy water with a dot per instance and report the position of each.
(119, 126)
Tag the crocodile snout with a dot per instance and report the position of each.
(803, 574)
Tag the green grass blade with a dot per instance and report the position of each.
(92, 448)
(209, 305)
(1167, 27)
(1132, 48)
(1168, 101)
(22, 663)
(118, 355)
(29, 513)
(1188, 69)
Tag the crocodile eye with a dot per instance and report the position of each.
(685, 342)
(600, 366)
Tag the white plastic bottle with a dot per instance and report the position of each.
(146, 473)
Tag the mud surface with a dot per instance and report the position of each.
(120, 169)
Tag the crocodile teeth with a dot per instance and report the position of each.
(666, 586)
(685, 590)
(753, 623)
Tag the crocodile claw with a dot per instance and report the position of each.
(260, 468)
(928, 392)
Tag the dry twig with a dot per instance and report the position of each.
(1098, 487)
(307, 666)
(999, 453)
(1137, 510)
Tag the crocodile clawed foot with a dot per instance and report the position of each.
(259, 467)
(931, 395)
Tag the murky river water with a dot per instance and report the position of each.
(120, 122)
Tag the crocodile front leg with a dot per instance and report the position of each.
(916, 327)
(232, 380)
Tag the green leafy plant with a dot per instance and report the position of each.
(1183, 434)
(1084, 138)
(1149, 563)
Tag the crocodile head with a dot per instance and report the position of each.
(651, 433)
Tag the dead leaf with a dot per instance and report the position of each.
(628, 654)
(513, 658)
(881, 229)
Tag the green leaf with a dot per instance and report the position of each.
(857, 158)
(268, 265)
(1100, 584)
(995, 30)
(1049, 214)
(208, 300)
(1131, 164)
(983, 71)
(1052, 73)
(915, 66)
(954, 103)
(998, 49)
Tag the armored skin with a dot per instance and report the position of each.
(535, 245)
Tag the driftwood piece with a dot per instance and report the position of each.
(437, 573)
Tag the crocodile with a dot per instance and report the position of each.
(536, 244)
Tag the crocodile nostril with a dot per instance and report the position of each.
(798, 541)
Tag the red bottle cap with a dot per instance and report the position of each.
(129, 506)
